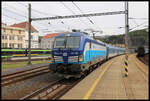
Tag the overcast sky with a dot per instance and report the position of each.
(16, 12)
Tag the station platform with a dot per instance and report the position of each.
(108, 81)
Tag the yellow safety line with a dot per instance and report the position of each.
(141, 67)
(96, 81)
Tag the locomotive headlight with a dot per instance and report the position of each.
(81, 57)
(58, 58)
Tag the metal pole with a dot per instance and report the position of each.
(29, 38)
(126, 38)
(93, 35)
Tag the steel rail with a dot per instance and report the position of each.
(31, 95)
(7, 80)
(5, 75)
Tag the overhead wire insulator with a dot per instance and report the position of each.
(62, 22)
(91, 21)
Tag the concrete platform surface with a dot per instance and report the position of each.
(109, 82)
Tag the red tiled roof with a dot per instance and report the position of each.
(24, 25)
(51, 35)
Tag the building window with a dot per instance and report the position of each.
(5, 36)
(20, 45)
(2, 45)
(20, 38)
(5, 44)
(11, 30)
(19, 31)
(9, 37)
(13, 45)
(4, 30)
(2, 36)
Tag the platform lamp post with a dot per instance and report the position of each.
(29, 38)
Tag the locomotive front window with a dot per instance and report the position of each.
(59, 42)
(73, 42)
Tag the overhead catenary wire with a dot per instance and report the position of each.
(138, 18)
(15, 13)
(137, 26)
(135, 22)
(16, 9)
(86, 17)
(72, 12)
(21, 14)
(10, 17)
(40, 12)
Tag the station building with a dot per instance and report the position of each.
(34, 34)
(12, 37)
(47, 40)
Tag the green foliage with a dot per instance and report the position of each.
(136, 38)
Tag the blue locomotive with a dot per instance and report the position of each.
(75, 54)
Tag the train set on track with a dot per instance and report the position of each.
(75, 54)
(9, 53)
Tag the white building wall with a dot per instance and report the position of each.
(34, 40)
(47, 42)
(8, 40)
(16, 42)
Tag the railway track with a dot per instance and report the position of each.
(22, 75)
(144, 59)
(54, 90)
